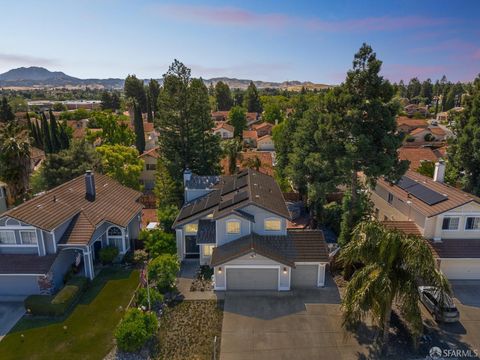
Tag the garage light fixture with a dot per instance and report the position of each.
(284, 270)
(219, 270)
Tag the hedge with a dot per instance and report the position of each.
(57, 305)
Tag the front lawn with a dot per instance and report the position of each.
(85, 333)
(187, 330)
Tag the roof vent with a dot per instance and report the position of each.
(257, 196)
(89, 186)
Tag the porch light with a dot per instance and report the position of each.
(284, 270)
(219, 270)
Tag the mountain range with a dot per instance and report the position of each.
(39, 77)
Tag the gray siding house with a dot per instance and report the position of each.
(42, 238)
(238, 225)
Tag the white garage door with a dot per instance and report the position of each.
(461, 269)
(304, 276)
(252, 279)
(18, 285)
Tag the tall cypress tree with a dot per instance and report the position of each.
(154, 91)
(6, 113)
(47, 140)
(138, 127)
(251, 100)
(63, 136)
(54, 133)
(149, 109)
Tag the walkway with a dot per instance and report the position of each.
(188, 270)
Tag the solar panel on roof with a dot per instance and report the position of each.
(241, 196)
(228, 187)
(405, 182)
(241, 182)
(225, 204)
(426, 195)
(242, 174)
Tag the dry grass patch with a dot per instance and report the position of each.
(187, 330)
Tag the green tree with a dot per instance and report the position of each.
(135, 329)
(54, 133)
(414, 88)
(114, 130)
(251, 100)
(237, 117)
(153, 92)
(158, 242)
(427, 90)
(46, 136)
(427, 168)
(272, 113)
(110, 100)
(14, 159)
(182, 122)
(223, 96)
(121, 163)
(163, 270)
(135, 90)
(6, 113)
(139, 130)
(394, 265)
(68, 164)
(167, 191)
(231, 149)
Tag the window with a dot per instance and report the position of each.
(273, 225)
(115, 237)
(377, 213)
(450, 223)
(7, 237)
(207, 250)
(191, 228)
(233, 227)
(114, 231)
(28, 237)
(390, 198)
(151, 167)
(473, 223)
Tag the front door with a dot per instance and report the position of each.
(192, 250)
(97, 246)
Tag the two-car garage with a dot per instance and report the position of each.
(461, 269)
(252, 279)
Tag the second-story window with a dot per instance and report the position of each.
(273, 224)
(151, 167)
(473, 223)
(7, 237)
(28, 237)
(450, 223)
(390, 198)
(233, 227)
(191, 228)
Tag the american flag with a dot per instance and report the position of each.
(143, 277)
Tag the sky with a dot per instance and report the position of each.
(270, 40)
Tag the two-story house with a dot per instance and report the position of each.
(447, 217)
(238, 225)
(41, 238)
(149, 172)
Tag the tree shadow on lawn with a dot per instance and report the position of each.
(401, 346)
(95, 287)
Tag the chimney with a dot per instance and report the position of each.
(89, 185)
(187, 175)
(439, 174)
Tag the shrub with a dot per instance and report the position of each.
(135, 329)
(155, 297)
(57, 305)
(409, 138)
(108, 254)
(429, 137)
(163, 270)
(332, 215)
(157, 242)
(140, 256)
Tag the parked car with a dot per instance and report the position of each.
(430, 297)
(434, 123)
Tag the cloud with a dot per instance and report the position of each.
(232, 16)
(20, 59)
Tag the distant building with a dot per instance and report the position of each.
(148, 174)
(416, 155)
(406, 124)
(224, 130)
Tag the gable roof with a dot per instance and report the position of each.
(419, 131)
(249, 134)
(416, 156)
(455, 197)
(225, 126)
(113, 202)
(414, 123)
(262, 125)
(249, 187)
(153, 152)
(438, 131)
(264, 137)
(296, 246)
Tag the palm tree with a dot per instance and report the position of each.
(252, 163)
(231, 149)
(394, 264)
(15, 158)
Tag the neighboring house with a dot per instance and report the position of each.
(265, 143)
(219, 115)
(263, 129)
(406, 125)
(224, 130)
(41, 238)
(148, 174)
(252, 118)
(435, 132)
(250, 138)
(3, 197)
(442, 117)
(238, 226)
(417, 155)
(413, 109)
(37, 156)
(447, 217)
(265, 157)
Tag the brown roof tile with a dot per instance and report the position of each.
(456, 248)
(416, 156)
(26, 264)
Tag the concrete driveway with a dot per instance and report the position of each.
(10, 313)
(292, 325)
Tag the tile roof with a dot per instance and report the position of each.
(416, 156)
(437, 131)
(225, 126)
(206, 232)
(153, 152)
(262, 125)
(455, 196)
(264, 137)
(296, 246)
(202, 182)
(456, 248)
(249, 134)
(407, 227)
(418, 131)
(148, 216)
(113, 202)
(414, 123)
(232, 193)
(26, 264)
(265, 157)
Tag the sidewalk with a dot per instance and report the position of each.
(188, 269)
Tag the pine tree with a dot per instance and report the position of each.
(223, 96)
(64, 138)
(134, 89)
(54, 133)
(154, 91)
(149, 109)
(6, 113)
(138, 127)
(251, 100)
(238, 119)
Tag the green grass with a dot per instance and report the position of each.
(90, 325)
(187, 330)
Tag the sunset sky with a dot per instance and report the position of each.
(262, 40)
